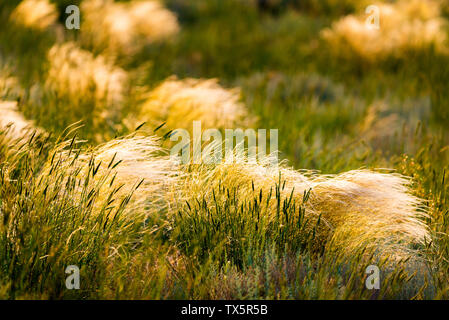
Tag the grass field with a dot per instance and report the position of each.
(86, 180)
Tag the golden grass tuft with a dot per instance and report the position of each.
(77, 75)
(403, 25)
(180, 102)
(120, 165)
(124, 28)
(358, 209)
(37, 14)
(13, 123)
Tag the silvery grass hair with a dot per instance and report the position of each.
(179, 102)
(359, 209)
(404, 25)
(14, 124)
(123, 28)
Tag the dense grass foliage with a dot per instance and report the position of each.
(63, 203)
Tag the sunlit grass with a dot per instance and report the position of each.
(403, 26)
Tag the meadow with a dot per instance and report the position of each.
(85, 176)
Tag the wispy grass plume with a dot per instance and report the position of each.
(180, 102)
(125, 27)
(358, 209)
(38, 14)
(126, 163)
(84, 86)
(403, 26)
(13, 123)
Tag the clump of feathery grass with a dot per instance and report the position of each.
(358, 209)
(130, 163)
(102, 191)
(82, 79)
(180, 102)
(17, 131)
(74, 72)
(403, 26)
(47, 224)
(37, 14)
(124, 28)
(13, 123)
